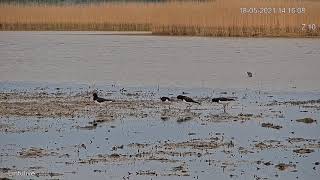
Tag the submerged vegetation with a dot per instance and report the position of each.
(278, 18)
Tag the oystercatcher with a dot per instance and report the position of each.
(187, 99)
(165, 99)
(224, 101)
(100, 99)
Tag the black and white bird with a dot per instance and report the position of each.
(100, 100)
(187, 99)
(165, 99)
(224, 101)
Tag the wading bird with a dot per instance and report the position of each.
(100, 100)
(224, 101)
(188, 100)
(165, 99)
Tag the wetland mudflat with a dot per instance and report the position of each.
(59, 132)
(51, 128)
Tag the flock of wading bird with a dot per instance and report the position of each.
(221, 100)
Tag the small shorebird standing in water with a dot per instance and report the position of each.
(100, 100)
(224, 101)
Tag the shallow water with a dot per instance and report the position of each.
(82, 57)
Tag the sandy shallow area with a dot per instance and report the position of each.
(58, 132)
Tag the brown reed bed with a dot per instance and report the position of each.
(209, 18)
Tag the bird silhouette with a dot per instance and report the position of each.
(187, 99)
(98, 99)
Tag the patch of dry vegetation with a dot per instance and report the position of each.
(209, 18)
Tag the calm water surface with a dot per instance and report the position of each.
(160, 60)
